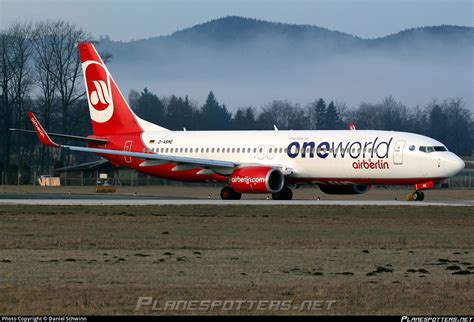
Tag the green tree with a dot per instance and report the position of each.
(213, 116)
(332, 118)
(148, 106)
(244, 119)
(316, 111)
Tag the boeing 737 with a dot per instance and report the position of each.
(339, 161)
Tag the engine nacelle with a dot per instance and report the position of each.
(356, 189)
(257, 180)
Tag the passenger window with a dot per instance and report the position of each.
(270, 150)
(248, 150)
(218, 149)
(207, 150)
(212, 150)
(254, 150)
(190, 150)
(233, 150)
(286, 150)
(238, 150)
(281, 150)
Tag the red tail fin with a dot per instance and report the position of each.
(109, 111)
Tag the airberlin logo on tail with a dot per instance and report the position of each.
(99, 91)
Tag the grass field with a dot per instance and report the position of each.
(369, 260)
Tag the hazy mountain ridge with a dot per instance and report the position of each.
(237, 31)
(234, 55)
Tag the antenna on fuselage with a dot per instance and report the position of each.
(275, 127)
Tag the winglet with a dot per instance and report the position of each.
(42, 135)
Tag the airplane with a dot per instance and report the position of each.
(338, 161)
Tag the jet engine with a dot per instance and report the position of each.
(258, 179)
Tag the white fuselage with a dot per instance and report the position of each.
(342, 156)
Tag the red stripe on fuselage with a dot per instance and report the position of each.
(163, 171)
(365, 181)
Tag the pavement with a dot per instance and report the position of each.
(93, 200)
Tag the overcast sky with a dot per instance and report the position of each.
(128, 19)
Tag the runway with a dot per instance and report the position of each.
(141, 201)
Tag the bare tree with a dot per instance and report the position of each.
(66, 67)
(22, 80)
(284, 114)
(15, 53)
(45, 79)
(6, 76)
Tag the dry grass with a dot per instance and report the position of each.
(99, 260)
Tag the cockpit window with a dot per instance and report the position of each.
(429, 149)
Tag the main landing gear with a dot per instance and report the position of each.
(417, 195)
(283, 194)
(227, 193)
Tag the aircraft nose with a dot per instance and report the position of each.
(454, 164)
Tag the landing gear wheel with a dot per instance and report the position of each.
(418, 196)
(283, 194)
(227, 193)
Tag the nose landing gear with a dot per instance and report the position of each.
(418, 195)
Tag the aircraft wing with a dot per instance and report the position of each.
(46, 140)
(68, 137)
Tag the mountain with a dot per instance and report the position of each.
(249, 62)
